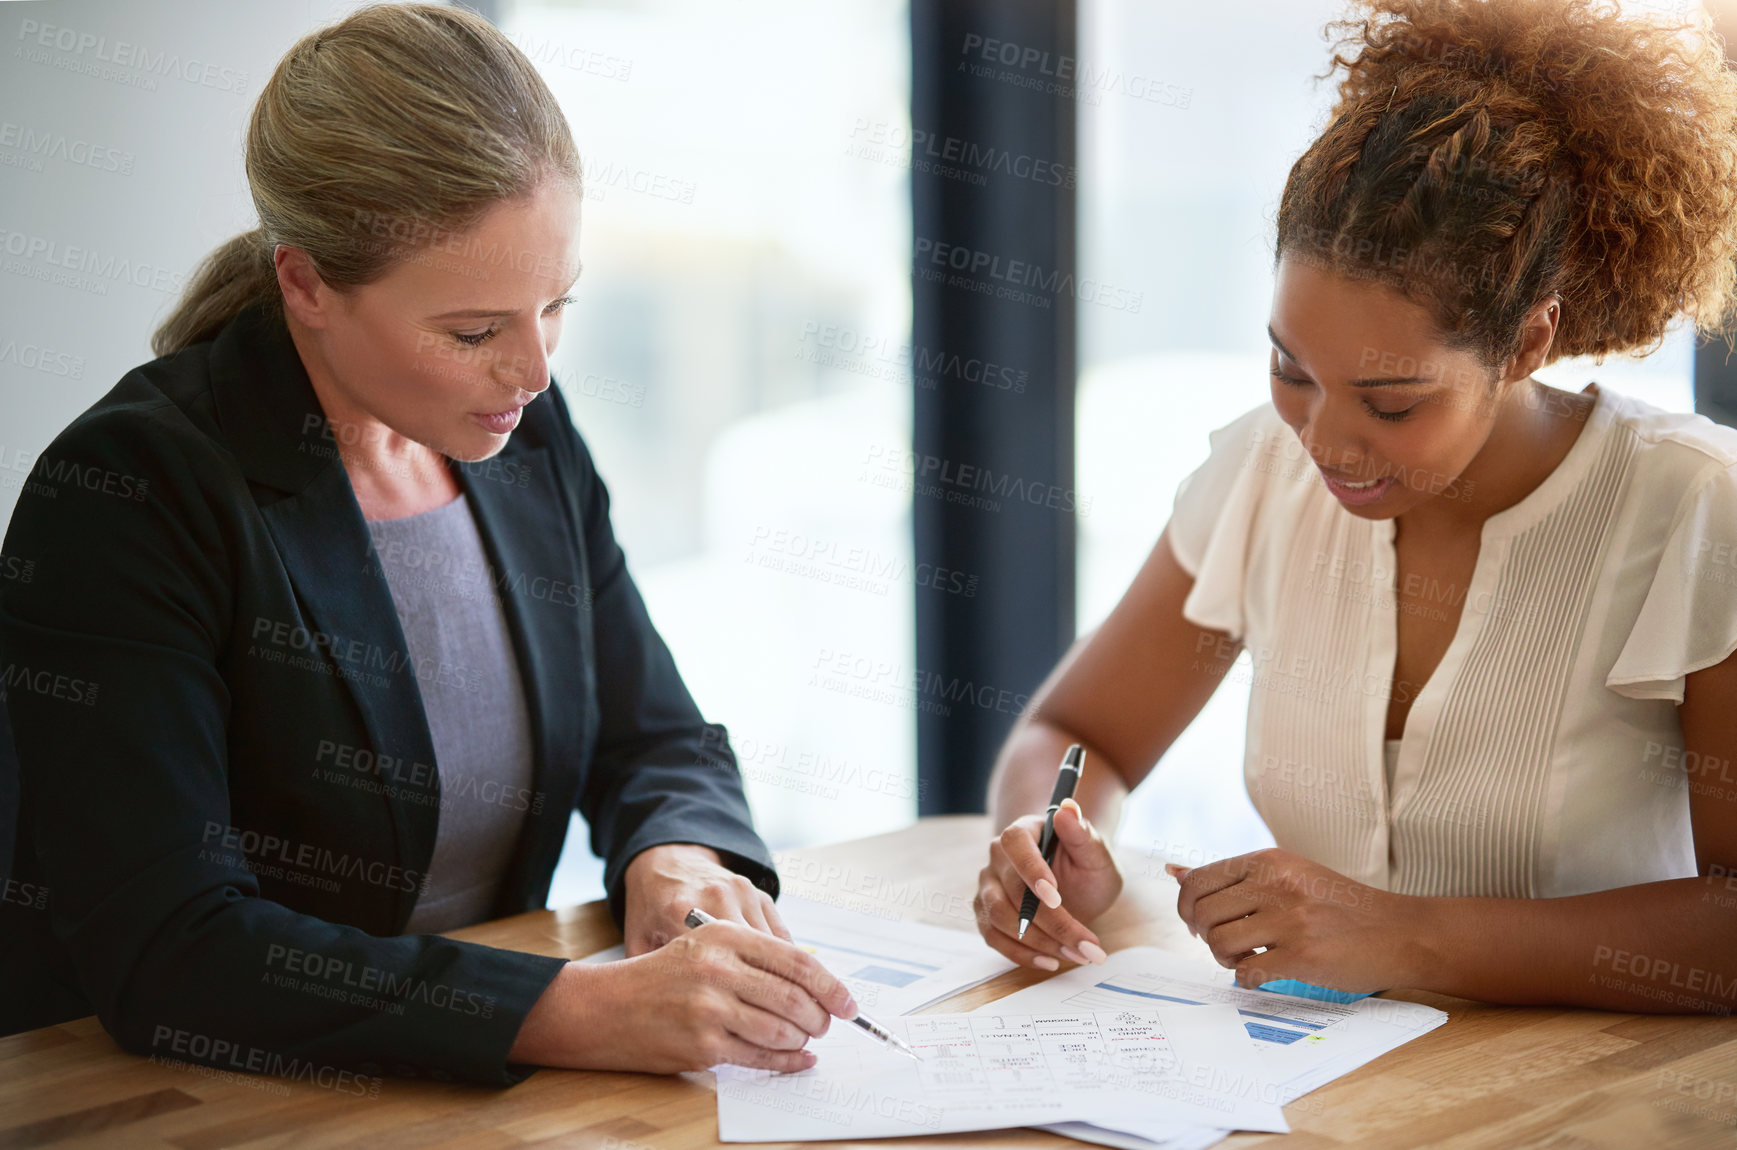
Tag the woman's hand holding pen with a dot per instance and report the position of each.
(663, 882)
(723, 992)
(1080, 886)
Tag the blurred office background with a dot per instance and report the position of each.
(741, 357)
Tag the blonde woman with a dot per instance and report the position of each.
(352, 637)
(1490, 622)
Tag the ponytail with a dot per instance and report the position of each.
(234, 276)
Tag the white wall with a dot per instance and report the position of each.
(120, 168)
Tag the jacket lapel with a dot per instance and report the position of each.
(276, 428)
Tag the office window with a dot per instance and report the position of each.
(738, 349)
(1178, 194)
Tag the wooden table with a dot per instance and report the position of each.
(1491, 1076)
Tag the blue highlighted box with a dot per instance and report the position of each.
(1309, 990)
(886, 976)
(1276, 1034)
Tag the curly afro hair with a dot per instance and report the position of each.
(1483, 155)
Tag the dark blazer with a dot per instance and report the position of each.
(227, 803)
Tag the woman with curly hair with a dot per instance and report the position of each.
(1490, 622)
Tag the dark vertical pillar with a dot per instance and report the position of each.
(1716, 382)
(9, 796)
(994, 286)
(1715, 365)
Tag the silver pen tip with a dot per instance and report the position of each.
(1023, 923)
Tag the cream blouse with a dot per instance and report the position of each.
(1543, 757)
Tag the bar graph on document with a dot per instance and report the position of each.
(891, 966)
(1302, 1042)
(1278, 1019)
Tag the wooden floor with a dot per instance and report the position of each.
(1490, 1077)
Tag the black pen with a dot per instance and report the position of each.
(698, 917)
(1067, 777)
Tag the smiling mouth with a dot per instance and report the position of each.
(1356, 489)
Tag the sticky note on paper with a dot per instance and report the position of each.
(1310, 990)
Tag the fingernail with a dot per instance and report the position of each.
(1047, 893)
(1171, 869)
(1073, 955)
(850, 1009)
(1094, 952)
(1045, 962)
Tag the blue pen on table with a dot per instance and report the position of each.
(698, 917)
(1067, 777)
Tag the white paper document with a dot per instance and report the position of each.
(1153, 1071)
(1302, 1043)
(1147, 1052)
(1178, 1138)
(892, 967)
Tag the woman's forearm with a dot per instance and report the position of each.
(1663, 947)
(545, 1037)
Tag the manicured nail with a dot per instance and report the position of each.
(1172, 869)
(1073, 955)
(1094, 952)
(1045, 962)
(1047, 893)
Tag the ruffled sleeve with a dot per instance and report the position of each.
(1213, 516)
(1688, 620)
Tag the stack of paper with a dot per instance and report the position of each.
(1145, 1071)
(1299, 1043)
(1148, 1052)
